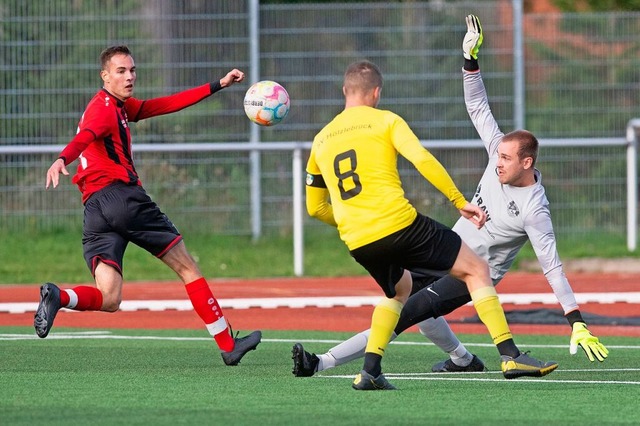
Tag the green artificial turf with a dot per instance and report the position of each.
(141, 377)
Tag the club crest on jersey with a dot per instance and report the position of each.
(512, 209)
(309, 180)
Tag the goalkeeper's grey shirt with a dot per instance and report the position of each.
(514, 214)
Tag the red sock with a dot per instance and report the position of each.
(81, 298)
(207, 308)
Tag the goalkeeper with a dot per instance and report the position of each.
(511, 193)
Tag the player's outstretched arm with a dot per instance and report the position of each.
(590, 344)
(233, 76)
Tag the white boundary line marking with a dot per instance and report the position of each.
(331, 302)
(564, 370)
(479, 345)
(475, 379)
(105, 334)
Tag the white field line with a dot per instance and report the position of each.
(457, 378)
(106, 335)
(563, 370)
(331, 302)
(427, 343)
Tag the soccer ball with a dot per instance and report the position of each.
(266, 103)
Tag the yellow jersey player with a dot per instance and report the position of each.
(353, 183)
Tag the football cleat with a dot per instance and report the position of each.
(305, 364)
(47, 309)
(365, 381)
(242, 346)
(449, 366)
(524, 365)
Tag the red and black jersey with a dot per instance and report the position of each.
(103, 141)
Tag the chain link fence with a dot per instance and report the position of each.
(580, 80)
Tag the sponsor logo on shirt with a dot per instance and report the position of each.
(480, 202)
(349, 129)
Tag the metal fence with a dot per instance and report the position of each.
(560, 76)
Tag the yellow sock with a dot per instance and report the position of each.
(383, 322)
(490, 311)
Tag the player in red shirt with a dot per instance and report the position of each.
(117, 210)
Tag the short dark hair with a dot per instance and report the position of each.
(110, 52)
(528, 144)
(362, 76)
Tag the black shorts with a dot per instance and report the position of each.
(119, 214)
(423, 245)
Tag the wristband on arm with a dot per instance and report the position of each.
(471, 64)
(574, 317)
(215, 86)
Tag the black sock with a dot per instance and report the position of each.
(509, 348)
(440, 298)
(372, 364)
(418, 308)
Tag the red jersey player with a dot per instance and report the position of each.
(117, 210)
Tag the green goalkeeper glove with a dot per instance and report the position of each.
(590, 344)
(473, 38)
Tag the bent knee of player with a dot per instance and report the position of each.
(469, 265)
(403, 287)
(111, 304)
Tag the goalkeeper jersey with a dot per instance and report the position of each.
(514, 214)
(355, 156)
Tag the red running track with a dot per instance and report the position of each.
(323, 319)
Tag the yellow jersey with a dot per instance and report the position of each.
(355, 158)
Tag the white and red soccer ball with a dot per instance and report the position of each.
(266, 103)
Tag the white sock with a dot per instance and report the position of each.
(460, 356)
(350, 349)
(438, 331)
(326, 361)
